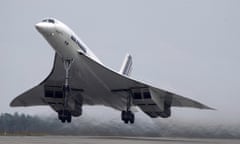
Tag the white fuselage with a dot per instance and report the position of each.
(63, 40)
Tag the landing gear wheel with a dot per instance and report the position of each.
(69, 119)
(126, 121)
(123, 115)
(128, 116)
(132, 118)
(62, 120)
(64, 116)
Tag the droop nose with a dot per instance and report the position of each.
(45, 28)
(40, 27)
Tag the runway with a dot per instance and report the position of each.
(108, 140)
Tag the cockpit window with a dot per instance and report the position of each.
(49, 20)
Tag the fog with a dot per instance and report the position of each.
(96, 124)
(91, 124)
(103, 121)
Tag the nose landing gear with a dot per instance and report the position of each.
(65, 114)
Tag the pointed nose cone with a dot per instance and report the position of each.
(45, 28)
(39, 27)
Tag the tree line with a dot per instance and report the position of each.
(88, 125)
(25, 124)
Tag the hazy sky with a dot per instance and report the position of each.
(190, 47)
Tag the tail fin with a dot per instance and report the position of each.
(126, 68)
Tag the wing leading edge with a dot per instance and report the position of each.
(35, 96)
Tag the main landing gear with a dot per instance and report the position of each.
(128, 115)
(65, 114)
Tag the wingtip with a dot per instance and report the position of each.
(209, 108)
(212, 108)
(14, 103)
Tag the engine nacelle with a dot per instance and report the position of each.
(151, 103)
(75, 106)
(54, 96)
(167, 111)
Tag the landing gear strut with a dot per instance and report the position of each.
(65, 114)
(128, 115)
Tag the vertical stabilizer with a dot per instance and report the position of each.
(127, 65)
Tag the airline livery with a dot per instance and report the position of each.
(79, 78)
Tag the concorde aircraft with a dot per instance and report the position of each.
(79, 78)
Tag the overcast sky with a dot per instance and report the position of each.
(190, 47)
